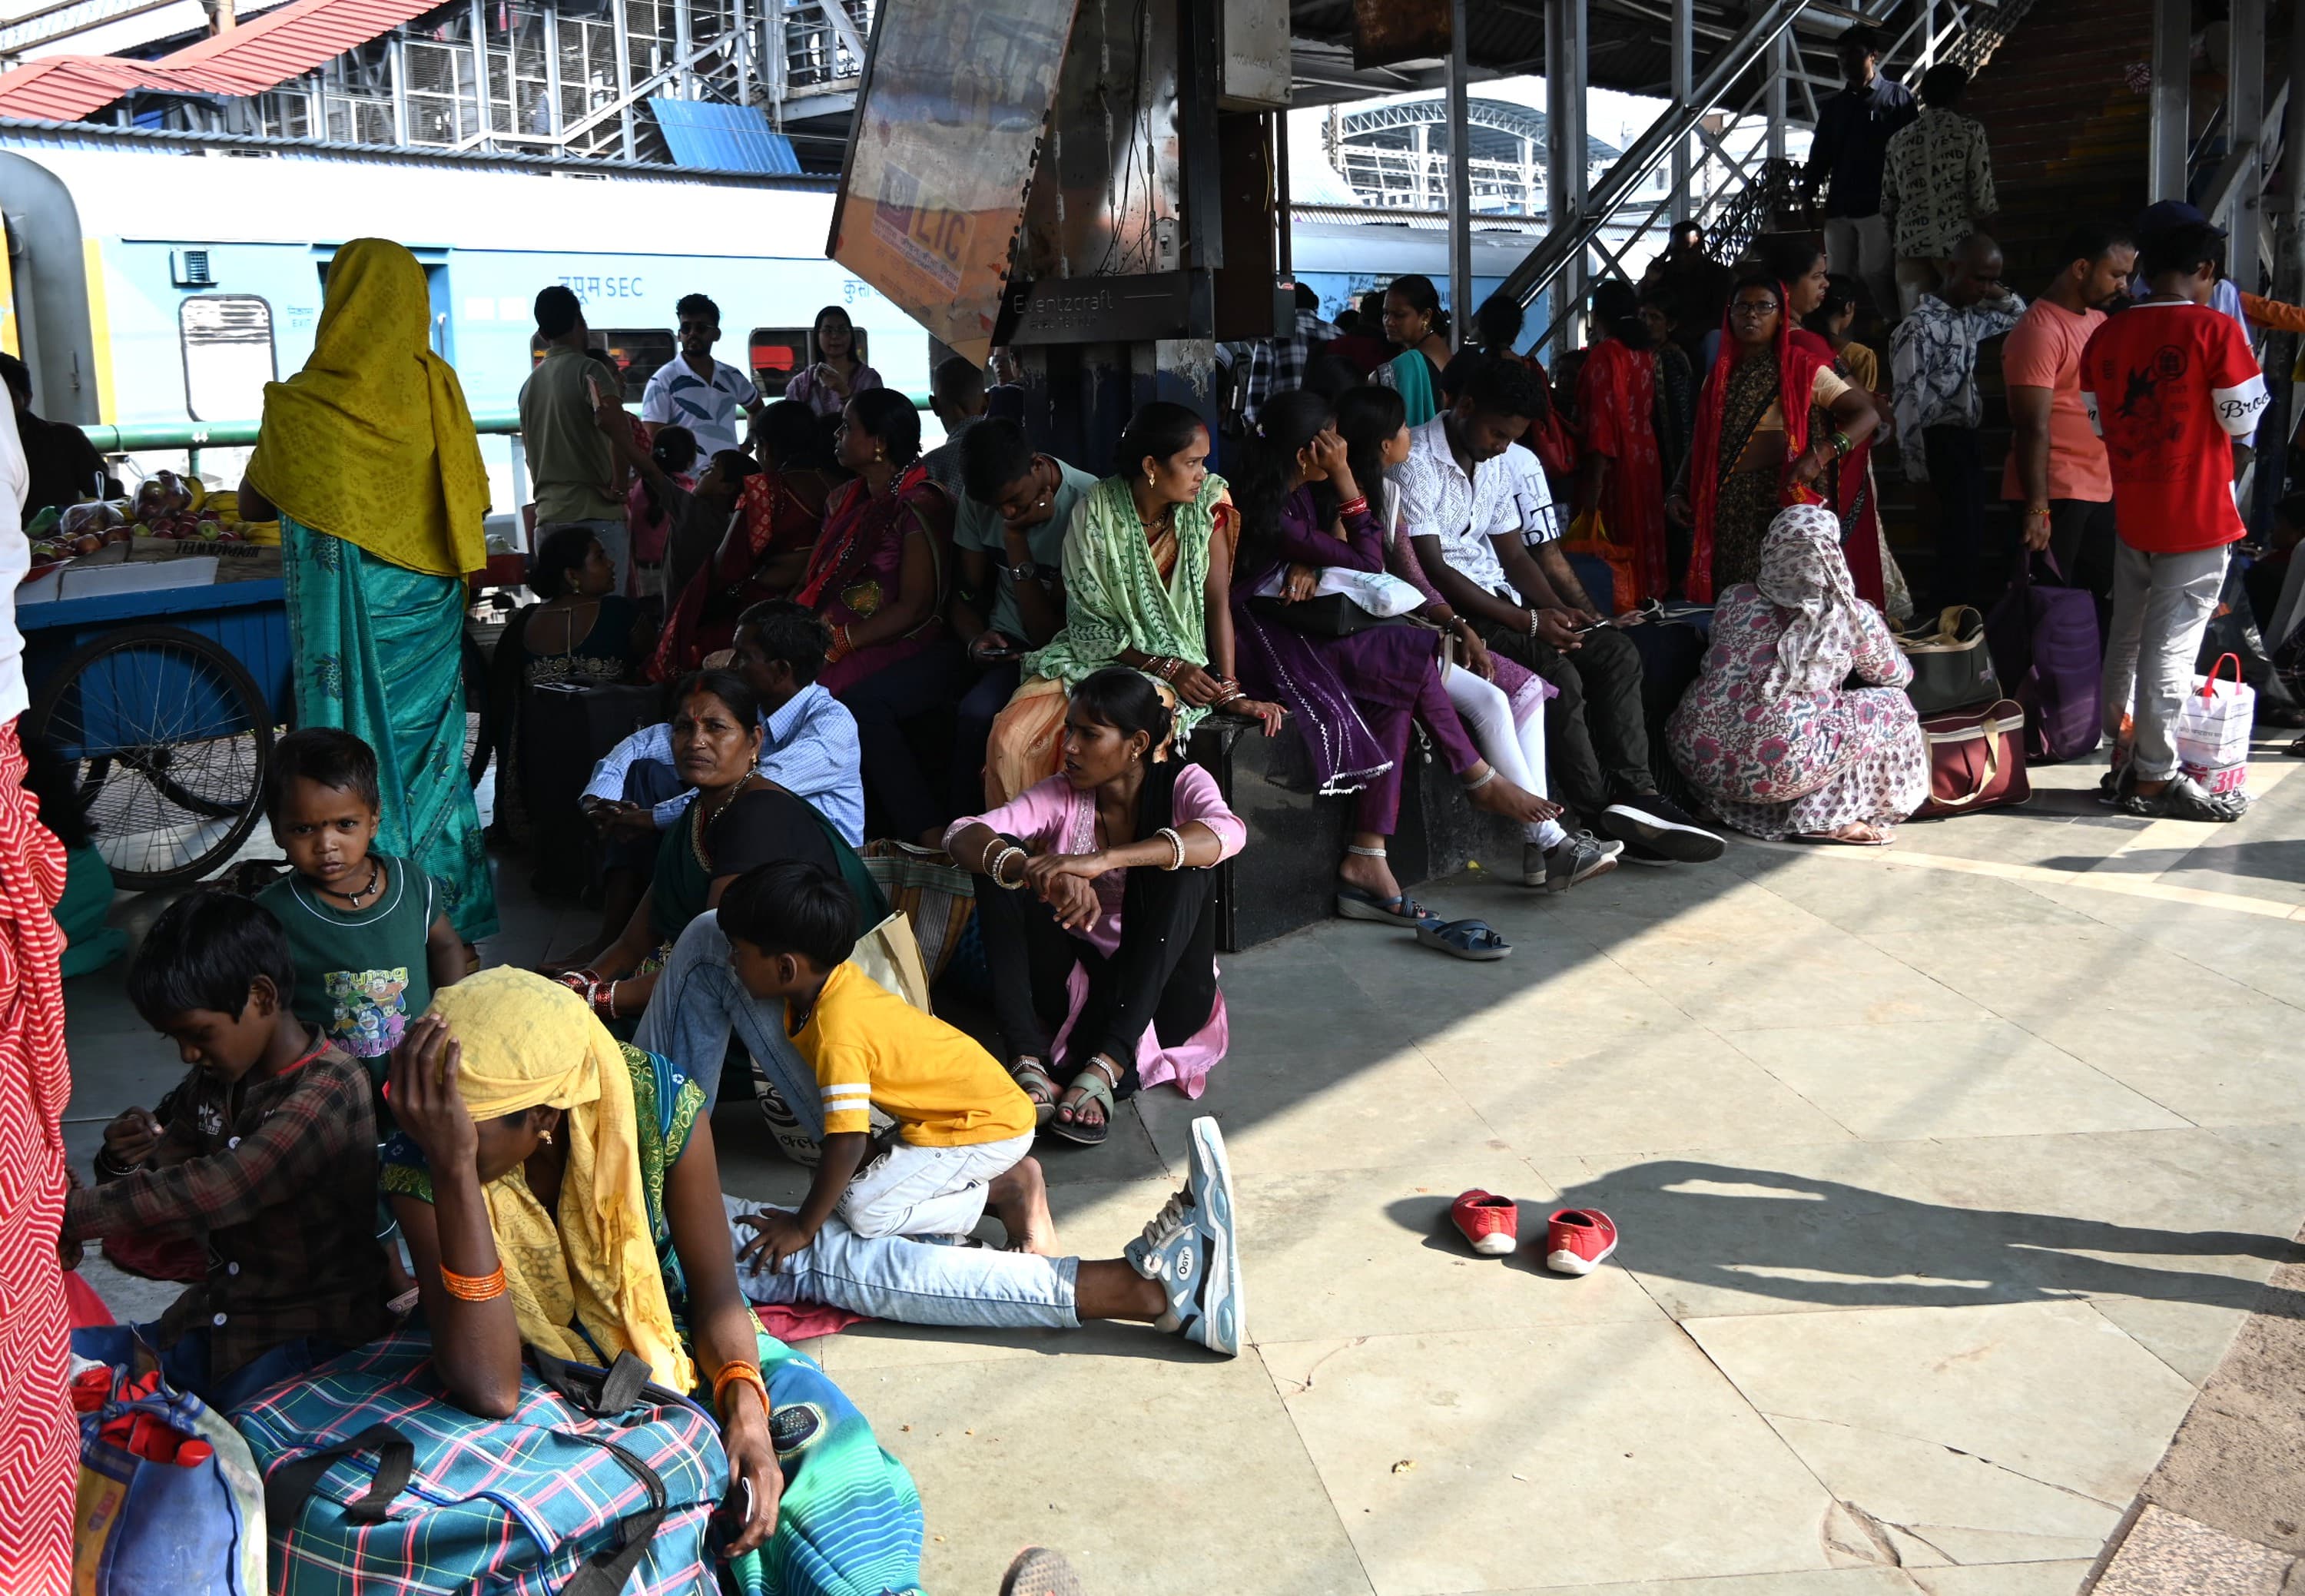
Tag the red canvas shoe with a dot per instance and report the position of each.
(1576, 1241)
(1491, 1224)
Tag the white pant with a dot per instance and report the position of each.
(1516, 748)
(927, 1191)
(1859, 245)
(2162, 603)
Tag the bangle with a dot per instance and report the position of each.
(473, 1288)
(1841, 445)
(604, 1000)
(1353, 507)
(1000, 862)
(1532, 623)
(735, 1372)
(1175, 841)
(2037, 512)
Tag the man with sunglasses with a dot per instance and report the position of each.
(1014, 507)
(1932, 357)
(711, 397)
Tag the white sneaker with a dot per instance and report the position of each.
(1189, 1247)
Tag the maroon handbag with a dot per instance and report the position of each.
(1976, 760)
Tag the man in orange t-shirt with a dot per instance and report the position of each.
(2172, 386)
(2056, 469)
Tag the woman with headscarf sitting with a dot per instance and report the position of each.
(559, 1191)
(1769, 734)
(369, 459)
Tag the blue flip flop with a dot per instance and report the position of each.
(1464, 939)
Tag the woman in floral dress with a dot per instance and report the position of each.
(1769, 735)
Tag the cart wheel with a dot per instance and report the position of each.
(170, 737)
(480, 720)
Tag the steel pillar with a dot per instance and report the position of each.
(2172, 100)
(740, 45)
(2290, 271)
(1461, 183)
(1684, 30)
(480, 23)
(684, 80)
(624, 75)
(1777, 67)
(1565, 74)
(2244, 121)
(552, 112)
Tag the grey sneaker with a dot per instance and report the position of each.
(1189, 1248)
(1578, 857)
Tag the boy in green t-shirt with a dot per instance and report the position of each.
(369, 937)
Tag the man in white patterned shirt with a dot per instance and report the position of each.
(711, 397)
(1936, 183)
(1933, 359)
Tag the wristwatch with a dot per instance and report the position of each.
(1022, 573)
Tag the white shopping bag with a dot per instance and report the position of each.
(2213, 728)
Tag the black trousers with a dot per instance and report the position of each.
(1957, 475)
(1163, 974)
(1596, 737)
(882, 703)
(2082, 538)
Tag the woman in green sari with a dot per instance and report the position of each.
(1415, 321)
(369, 459)
(738, 819)
(1148, 572)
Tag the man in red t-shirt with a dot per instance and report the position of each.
(2169, 385)
(2056, 467)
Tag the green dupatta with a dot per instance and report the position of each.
(1114, 594)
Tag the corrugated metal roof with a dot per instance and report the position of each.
(278, 45)
(723, 138)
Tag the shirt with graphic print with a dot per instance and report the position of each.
(2168, 386)
(361, 974)
(713, 410)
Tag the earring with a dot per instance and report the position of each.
(879, 453)
(547, 1138)
(1149, 478)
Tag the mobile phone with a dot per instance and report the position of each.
(735, 1510)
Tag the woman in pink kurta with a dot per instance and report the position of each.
(1095, 891)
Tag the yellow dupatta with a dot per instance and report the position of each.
(371, 442)
(526, 1043)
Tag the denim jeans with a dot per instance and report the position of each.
(184, 1364)
(699, 1003)
(914, 1283)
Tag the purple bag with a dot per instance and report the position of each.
(2045, 649)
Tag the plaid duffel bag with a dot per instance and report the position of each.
(598, 1483)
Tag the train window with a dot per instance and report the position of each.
(228, 356)
(637, 352)
(776, 353)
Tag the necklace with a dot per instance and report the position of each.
(375, 874)
(696, 827)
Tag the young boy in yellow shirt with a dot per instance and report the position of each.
(963, 1129)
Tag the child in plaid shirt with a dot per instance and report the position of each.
(267, 1149)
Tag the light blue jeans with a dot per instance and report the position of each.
(699, 1003)
(914, 1283)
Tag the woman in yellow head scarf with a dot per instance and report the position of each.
(559, 1190)
(368, 459)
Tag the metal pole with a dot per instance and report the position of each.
(2244, 120)
(552, 114)
(1284, 245)
(2172, 100)
(480, 16)
(740, 44)
(1684, 30)
(397, 64)
(624, 73)
(1573, 15)
(1460, 182)
(683, 78)
(2290, 275)
(1777, 98)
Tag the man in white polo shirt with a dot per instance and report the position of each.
(711, 397)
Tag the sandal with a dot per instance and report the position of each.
(1464, 939)
(1358, 903)
(1827, 839)
(1040, 1090)
(1097, 1085)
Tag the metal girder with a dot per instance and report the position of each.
(1566, 240)
(2172, 100)
(2244, 204)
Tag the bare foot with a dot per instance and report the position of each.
(1019, 1196)
(1856, 831)
(1501, 797)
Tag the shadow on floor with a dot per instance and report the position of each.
(1798, 1238)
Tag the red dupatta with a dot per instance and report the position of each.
(854, 525)
(1801, 355)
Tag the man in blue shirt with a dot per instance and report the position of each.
(1853, 129)
(808, 748)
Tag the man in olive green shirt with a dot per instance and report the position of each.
(578, 480)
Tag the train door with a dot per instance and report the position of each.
(47, 309)
(435, 263)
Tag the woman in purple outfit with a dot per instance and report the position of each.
(1353, 697)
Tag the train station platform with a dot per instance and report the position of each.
(1946, 1173)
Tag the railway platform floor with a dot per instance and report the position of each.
(1946, 1175)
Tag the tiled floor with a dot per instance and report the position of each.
(1946, 1173)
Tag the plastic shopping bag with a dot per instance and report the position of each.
(2213, 727)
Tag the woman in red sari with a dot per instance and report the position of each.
(1772, 425)
(780, 511)
(878, 579)
(1621, 475)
